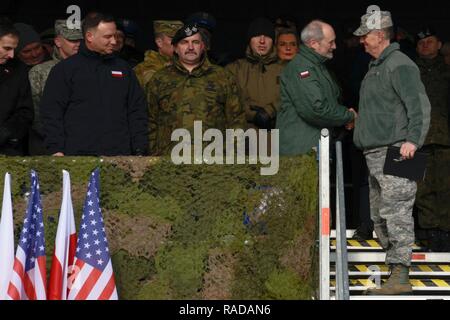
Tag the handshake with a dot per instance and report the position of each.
(351, 125)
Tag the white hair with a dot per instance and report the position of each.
(313, 31)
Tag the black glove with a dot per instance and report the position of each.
(4, 135)
(262, 119)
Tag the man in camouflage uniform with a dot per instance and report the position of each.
(433, 194)
(66, 44)
(155, 61)
(394, 110)
(191, 89)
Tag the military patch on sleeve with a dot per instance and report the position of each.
(304, 74)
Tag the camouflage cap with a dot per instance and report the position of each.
(375, 20)
(167, 27)
(69, 34)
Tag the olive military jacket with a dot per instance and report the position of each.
(309, 103)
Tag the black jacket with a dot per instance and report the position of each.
(93, 105)
(16, 108)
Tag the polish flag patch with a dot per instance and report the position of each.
(304, 74)
(117, 74)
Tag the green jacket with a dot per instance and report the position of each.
(393, 105)
(435, 76)
(258, 78)
(309, 103)
(153, 62)
(177, 98)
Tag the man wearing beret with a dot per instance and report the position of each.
(66, 44)
(156, 60)
(433, 194)
(258, 75)
(394, 110)
(191, 89)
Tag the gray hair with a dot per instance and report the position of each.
(313, 31)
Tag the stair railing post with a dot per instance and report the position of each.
(324, 214)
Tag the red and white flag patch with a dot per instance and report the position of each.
(304, 74)
(117, 74)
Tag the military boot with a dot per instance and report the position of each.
(397, 284)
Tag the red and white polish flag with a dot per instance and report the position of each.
(65, 245)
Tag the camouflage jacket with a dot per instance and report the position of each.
(153, 62)
(435, 76)
(177, 98)
(258, 79)
(38, 77)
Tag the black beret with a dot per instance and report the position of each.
(425, 32)
(185, 31)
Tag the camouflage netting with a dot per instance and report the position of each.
(194, 231)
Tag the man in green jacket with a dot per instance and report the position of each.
(258, 75)
(394, 110)
(309, 95)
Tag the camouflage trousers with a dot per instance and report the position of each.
(391, 204)
(433, 194)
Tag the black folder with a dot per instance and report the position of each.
(412, 169)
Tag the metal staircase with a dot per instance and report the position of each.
(348, 267)
(429, 273)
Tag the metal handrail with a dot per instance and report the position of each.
(324, 214)
(342, 282)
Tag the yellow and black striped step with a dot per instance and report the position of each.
(373, 244)
(444, 268)
(417, 284)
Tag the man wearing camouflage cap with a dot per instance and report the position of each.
(394, 110)
(154, 61)
(433, 194)
(66, 44)
(191, 89)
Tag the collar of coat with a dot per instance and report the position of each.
(199, 71)
(56, 55)
(386, 53)
(429, 63)
(265, 60)
(311, 55)
(151, 57)
(93, 54)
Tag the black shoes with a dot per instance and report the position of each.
(363, 233)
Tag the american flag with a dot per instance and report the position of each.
(28, 280)
(92, 273)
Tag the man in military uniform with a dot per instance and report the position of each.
(155, 61)
(394, 110)
(433, 194)
(66, 44)
(191, 89)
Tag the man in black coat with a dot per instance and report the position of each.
(93, 104)
(16, 105)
